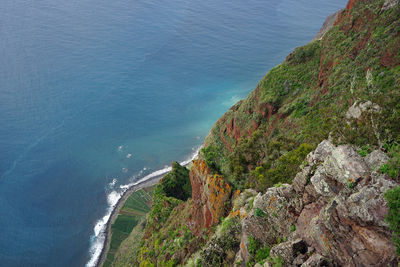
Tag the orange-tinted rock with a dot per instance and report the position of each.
(210, 194)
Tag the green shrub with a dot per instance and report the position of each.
(350, 185)
(251, 203)
(301, 107)
(292, 228)
(227, 224)
(277, 262)
(262, 254)
(303, 53)
(253, 245)
(285, 168)
(392, 167)
(211, 156)
(259, 213)
(364, 151)
(162, 207)
(392, 196)
(176, 183)
(221, 245)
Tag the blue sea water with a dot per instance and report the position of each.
(92, 91)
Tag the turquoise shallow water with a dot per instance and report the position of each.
(92, 91)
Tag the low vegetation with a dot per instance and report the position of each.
(393, 218)
(134, 209)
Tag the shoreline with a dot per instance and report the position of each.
(151, 181)
(147, 183)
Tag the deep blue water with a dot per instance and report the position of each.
(85, 83)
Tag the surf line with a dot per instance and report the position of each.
(115, 200)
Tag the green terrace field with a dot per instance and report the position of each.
(135, 207)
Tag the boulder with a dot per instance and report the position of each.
(289, 250)
(390, 4)
(317, 260)
(356, 110)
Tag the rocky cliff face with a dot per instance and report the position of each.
(210, 194)
(333, 213)
(260, 197)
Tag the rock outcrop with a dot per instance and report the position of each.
(390, 4)
(356, 110)
(334, 211)
(210, 193)
(344, 87)
(328, 24)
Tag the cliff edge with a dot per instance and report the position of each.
(303, 172)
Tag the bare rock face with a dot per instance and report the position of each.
(356, 110)
(317, 260)
(337, 206)
(277, 205)
(289, 250)
(210, 194)
(328, 24)
(390, 4)
(375, 159)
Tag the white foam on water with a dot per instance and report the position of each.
(128, 156)
(165, 170)
(99, 236)
(100, 229)
(112, 184)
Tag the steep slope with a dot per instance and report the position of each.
(297, 173)
(305, 98)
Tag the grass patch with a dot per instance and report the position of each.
(134, 208)
(392, 196)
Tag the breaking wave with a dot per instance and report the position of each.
(99, 237)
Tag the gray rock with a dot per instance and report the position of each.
(345, 165)
(300, 259)
(328, 24)
(239, 261)
(348, 225)
(354, 112)
(321, 186)
(369, 106)
(317, 260)
(376, 159)
(342, 226)
(289, 250)
(323, 150)
(276, 217)
(390, 4)
(287, 87)
(301, 179)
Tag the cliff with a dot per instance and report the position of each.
(304, 171)
(334, 209)
(211, 194)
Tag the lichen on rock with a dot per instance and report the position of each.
(343, 225)
(210, 194)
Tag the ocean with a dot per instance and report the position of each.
(95, 95)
